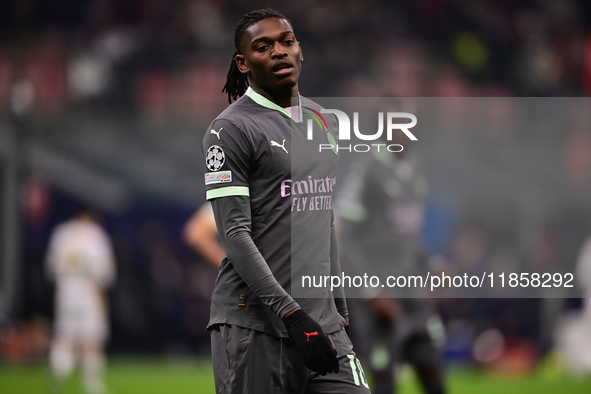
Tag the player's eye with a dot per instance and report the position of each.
(262, 48)
(288, 42)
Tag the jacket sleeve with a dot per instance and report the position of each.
(232, 216)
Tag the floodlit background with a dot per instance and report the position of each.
(103, 103)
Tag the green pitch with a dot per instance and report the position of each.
(155, 376)
(124, 376)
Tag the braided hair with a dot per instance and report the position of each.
(237, 82)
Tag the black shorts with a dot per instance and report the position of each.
(382, 344)
(249, 361)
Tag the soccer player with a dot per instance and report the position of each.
(80, 261)
(201, 234)
(380, 211)
(264, 340)
(583, 274)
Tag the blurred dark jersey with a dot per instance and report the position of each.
(381, 206)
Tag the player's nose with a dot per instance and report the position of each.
(278, 50)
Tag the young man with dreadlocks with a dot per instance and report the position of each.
(271, 190)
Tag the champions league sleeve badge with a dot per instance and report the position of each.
(215, 158)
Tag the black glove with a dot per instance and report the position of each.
(311, 343)
(348, 330)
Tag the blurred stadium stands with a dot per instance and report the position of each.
(104, 103)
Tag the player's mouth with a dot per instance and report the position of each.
(282, 68)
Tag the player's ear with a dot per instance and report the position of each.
(301, 53)
(241, 64)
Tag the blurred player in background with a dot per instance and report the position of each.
(573, 335)
(380, 210)
(263, 340)
(80, 260)
(583, 275)
(201, 234)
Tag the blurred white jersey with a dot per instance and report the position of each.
(80, 260)
(583, 269)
